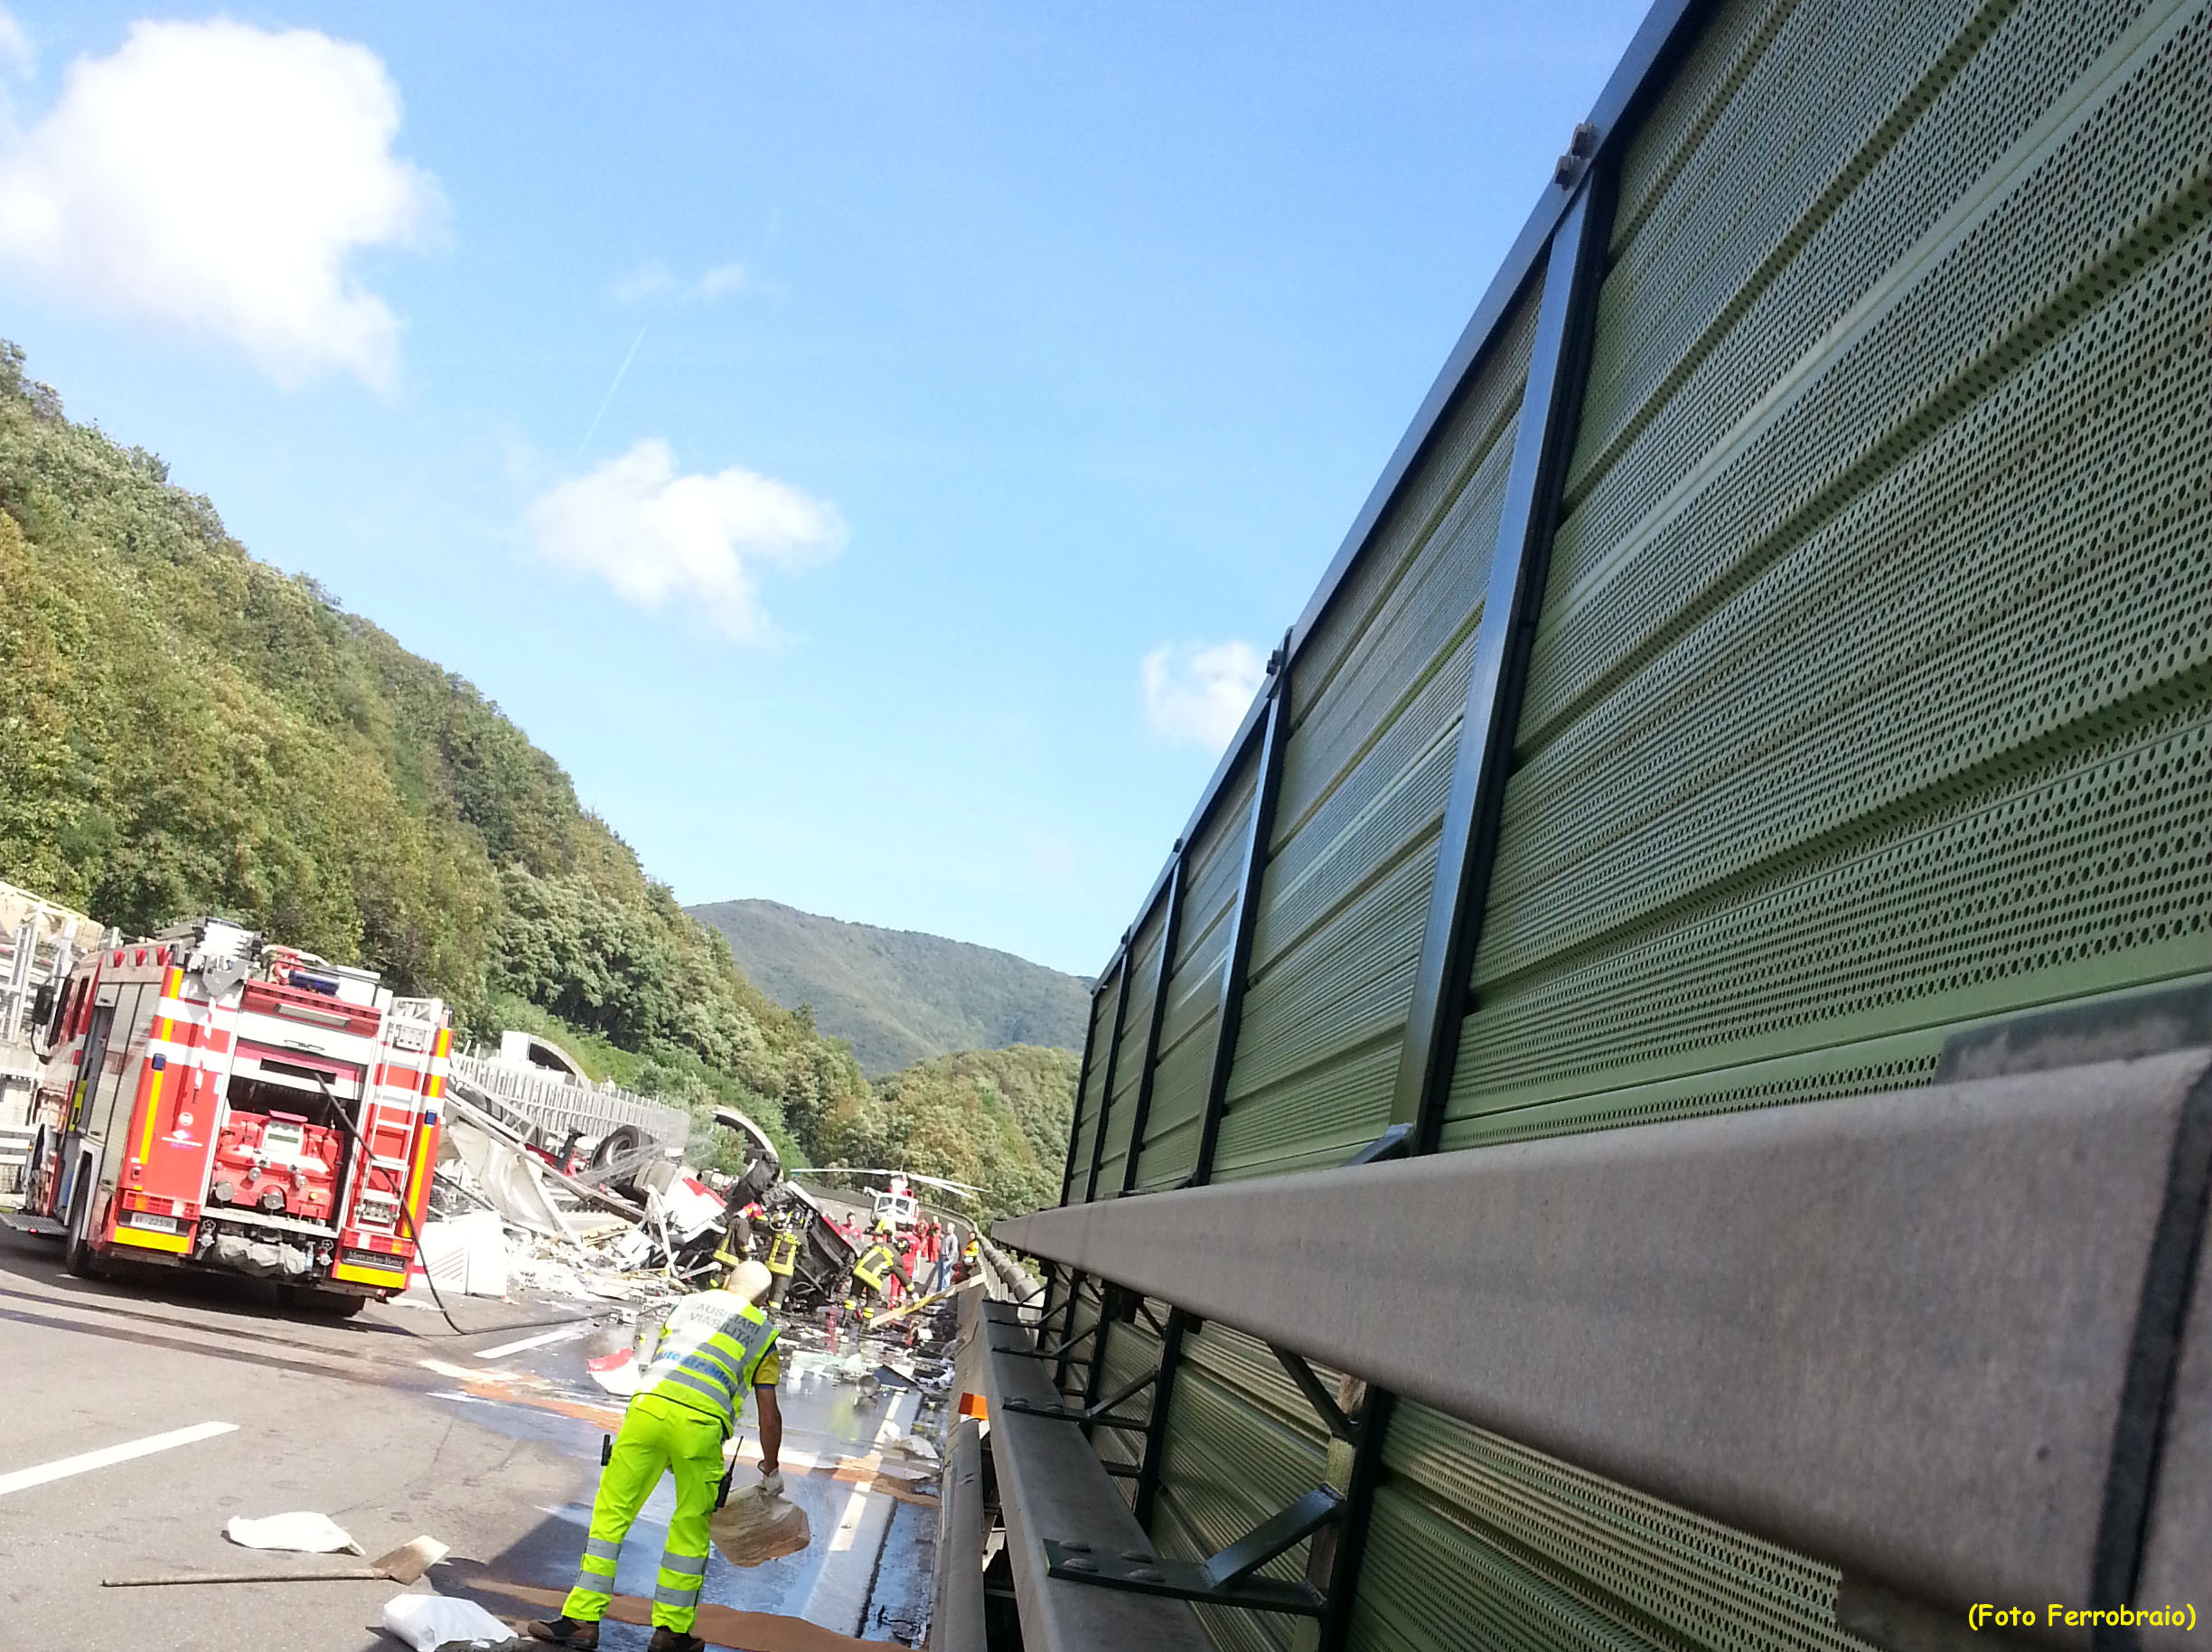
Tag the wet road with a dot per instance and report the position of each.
(393, 1425)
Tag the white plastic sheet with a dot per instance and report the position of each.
(467, 1254)
(303, 1532)
(428, 1622)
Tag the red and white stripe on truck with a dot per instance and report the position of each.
(173, 1119)
(399, 1124)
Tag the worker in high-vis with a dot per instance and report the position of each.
(717, 1344)
(873, 1272)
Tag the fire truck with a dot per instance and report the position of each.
(211, 1101)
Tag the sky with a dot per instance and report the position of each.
(872, 447)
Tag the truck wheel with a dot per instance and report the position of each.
(330, 1304)
(624, 1139)
(79, 1257)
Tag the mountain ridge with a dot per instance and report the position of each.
(899, 996)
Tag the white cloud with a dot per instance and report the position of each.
(1199, 695)
(16, 57)
(655, 280)
(657, 537)
(221, 178)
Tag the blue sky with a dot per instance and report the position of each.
(999, 379)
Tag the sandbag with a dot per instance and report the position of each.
(428, 1622)
(754, 1528)
(303, 1533)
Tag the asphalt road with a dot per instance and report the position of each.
(393, 1426)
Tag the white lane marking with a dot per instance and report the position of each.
(564, 1334)
(848, 1522)
(24, 1479)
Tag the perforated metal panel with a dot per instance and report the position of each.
(1129, 1066)
(1243, 1444)
(1133, 1348)
(1185, 1066)
(1375, 706)
(1872, 699)
(1092, 1086)
(1591, 1562)
(1887, 712)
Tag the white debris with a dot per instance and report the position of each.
(512, 1181)
(428, 1622)
(303, 1533)
(467, 1254)
(914, 1446)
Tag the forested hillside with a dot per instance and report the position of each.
(997, 1119)
(184, 730)
(896, 996)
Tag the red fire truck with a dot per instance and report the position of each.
(212, 1100)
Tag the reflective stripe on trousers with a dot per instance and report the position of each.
(658, 1434)
(681, 1576)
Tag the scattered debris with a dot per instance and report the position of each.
(428, 1622)
(303, 1532)
(467, 1254)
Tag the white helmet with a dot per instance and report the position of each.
(749, 1279)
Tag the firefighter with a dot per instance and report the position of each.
(715, 1345)
(877, 1265)
(782, 1259)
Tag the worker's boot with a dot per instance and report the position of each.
(566, 1632)
(665, 1639)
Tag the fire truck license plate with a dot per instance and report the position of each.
(159, 1225)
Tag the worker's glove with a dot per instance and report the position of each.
(771, 1484)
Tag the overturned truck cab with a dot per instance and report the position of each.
(210, 1100)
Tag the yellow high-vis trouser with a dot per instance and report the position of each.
(657, 1434)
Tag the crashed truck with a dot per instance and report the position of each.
(208, 1100)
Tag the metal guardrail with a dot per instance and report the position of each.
(556, 1106)
(956, 1619)
(1928, 1335)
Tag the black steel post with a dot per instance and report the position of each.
(1259, 829)
(1097, 1157)
(1171, 931)
(1275, 734)
(1550, 409)
(1113, 1060)
(1067, 1172)
(1082, 1077)
(1156, 1427)
(1108, 1297)
(1091, 1181)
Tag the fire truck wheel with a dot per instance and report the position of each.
(79, 1257)
(330, 1304)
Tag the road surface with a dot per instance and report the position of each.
(145, 1412)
